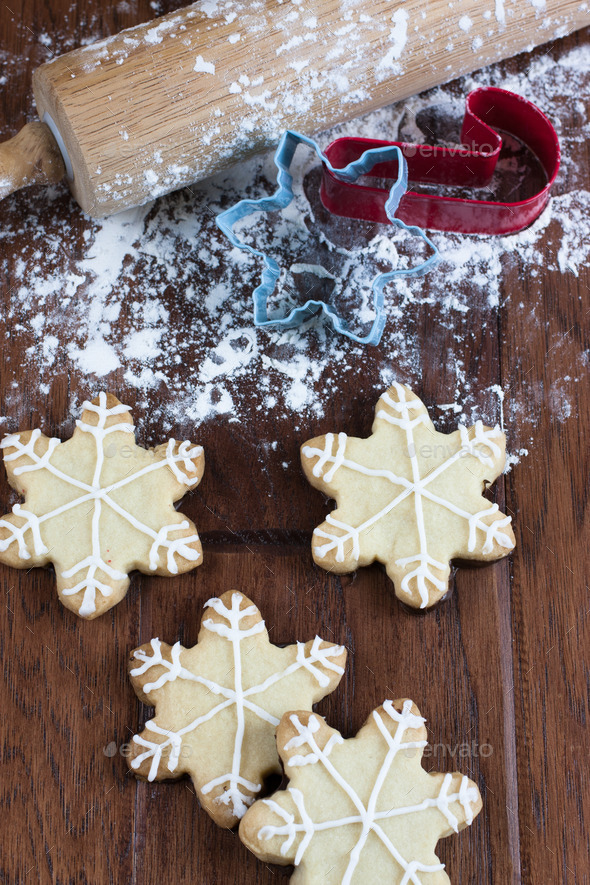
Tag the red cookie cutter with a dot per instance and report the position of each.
(471, 165)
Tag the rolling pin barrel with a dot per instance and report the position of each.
(163, 104)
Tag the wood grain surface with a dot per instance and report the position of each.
(501, 666)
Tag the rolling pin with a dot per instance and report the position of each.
(164, 104)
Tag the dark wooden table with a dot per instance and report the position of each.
(500, 670)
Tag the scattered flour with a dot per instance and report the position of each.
(206, 67)
(398, 37)
(157, 294)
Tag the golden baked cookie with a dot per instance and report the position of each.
(218, 704)
(409, 497)
(359, 811)
(99, 506)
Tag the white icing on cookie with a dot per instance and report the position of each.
(367, 814)
(237, 697)
(90, 566)
(408, 414)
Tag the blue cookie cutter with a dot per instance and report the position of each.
(283, 196)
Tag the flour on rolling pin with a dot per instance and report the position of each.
(164, 104)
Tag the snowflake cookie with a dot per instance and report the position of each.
(409, 497)
(361, 810)
(218, 703)
(99, 506)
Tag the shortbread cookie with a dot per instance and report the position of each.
(409, 497)
(218, 703)
(99, 506)
(359, 811)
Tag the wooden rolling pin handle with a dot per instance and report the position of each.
(31, 157)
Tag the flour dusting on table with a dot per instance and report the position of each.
(157, 289)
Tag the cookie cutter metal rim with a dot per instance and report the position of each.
(283, 196)
(485, 107)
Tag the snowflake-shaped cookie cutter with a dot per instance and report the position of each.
(283, 196)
